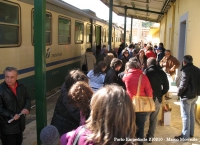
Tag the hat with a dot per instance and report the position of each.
(49, 135)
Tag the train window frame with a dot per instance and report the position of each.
(32, 30)
(89, 33)
(15, 25)
(66, 18)
(104, 30)
(81, 41)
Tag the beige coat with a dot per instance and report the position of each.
(91, 60)
(170, 62)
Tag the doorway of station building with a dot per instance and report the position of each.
(182, 42)
(98, 39)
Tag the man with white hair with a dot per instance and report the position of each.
(14, 104)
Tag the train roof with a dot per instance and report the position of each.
(69, 7)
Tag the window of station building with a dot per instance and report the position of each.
(48, 28)
(64, 30)
(88, 33)
(79, 32)
(9, 24)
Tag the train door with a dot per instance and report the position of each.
(98, 39)
(114, 36)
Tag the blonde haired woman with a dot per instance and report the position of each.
(111, 122)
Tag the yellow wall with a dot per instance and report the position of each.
(183, 10)
(156, 38)
(192, 28)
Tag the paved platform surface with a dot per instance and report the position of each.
(162, 132)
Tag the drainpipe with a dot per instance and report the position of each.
(110, 25)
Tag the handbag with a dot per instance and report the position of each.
(143, 103)
(84, 66)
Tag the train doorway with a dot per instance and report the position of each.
(98, 39)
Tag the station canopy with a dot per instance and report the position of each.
(148, 10)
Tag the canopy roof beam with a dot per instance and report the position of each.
(137, 9)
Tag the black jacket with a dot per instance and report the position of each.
(66, 117)
(189, 83)
(124, 61)
(158, 80)
(159, 58)
(11, 105)
(111, 76)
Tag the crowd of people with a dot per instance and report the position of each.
(96, 107)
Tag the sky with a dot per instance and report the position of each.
(101, 10)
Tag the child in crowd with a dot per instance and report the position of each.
(66, 116)
(79, 96)
(49, 135)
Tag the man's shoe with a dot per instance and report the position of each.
(178, 137)
(149, 139)
(191, 136)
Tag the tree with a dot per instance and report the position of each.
(147, 24)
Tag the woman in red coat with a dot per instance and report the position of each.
(149, 53)
(131, 78)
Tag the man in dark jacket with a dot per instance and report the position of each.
(160, 86)
(188, 91)
(14, 100)
(111, 75)
(160, 55)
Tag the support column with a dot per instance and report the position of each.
(110, 25)
(131, 29)
(125, 12)
(40, 65)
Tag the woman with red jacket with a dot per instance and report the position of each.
(131, 78)
(149, 53)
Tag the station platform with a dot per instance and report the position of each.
(162, 133)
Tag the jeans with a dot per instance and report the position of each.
(188, 117)
(153, 119)
(140, 122)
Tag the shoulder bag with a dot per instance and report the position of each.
(84, 66)
(143, 103)
(81, 131)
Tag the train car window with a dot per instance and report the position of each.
(9, 24)
(48, 28)
(64, 30)
(88, 33)
(79, 32)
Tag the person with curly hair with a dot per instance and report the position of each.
(79, 96)
(111, 121)
(66, 117)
